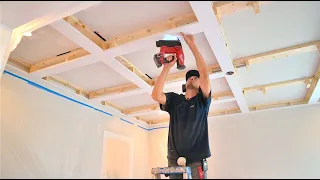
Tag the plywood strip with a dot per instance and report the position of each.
(282, 83)
(81, 27)
(107, 103)
(280, 53)
(20, 64)
(278, 104)
(157, 28)
(134, 69)
(72, 55)
(68, 85)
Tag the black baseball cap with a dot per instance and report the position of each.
(191, 73)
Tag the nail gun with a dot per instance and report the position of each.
(169, 47)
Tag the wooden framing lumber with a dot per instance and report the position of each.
(69, 56)
(154, 29)
(134, 69)
(68, 85)
(81, 27)
(151, 107)
(313, 94)
(278, 104)
(222, 8)
(113, 90)
(280, 53)
(20, 64)
(173, 23)
(107, 103)
(276, 84)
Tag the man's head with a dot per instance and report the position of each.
(192, 80)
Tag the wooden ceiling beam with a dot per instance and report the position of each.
(154, 29)
(279, 53)
(108, 103)
(111, 48)
(59, 59)
(134, 69)
(20, 64)
(223, 8)
(278, 104)
(68, 85)
(81, 27)
(276, 84)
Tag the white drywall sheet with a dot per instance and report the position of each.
(46, 136)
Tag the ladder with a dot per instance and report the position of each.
(185, 170)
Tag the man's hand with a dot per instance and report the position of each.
(157, 93)
(172, 59)
(189, 39)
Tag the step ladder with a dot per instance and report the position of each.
(185, 170)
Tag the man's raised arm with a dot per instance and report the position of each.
(157, 93)
(201, 65)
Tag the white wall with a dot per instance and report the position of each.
(46, 136)
(272, 144)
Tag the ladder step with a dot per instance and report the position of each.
(171, 170)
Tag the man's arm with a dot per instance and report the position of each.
(201, 65)
(157, 93)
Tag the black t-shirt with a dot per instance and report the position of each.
(188, 128)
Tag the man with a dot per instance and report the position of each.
(188, 129)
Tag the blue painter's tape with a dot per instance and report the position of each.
(53, 92)
(126, 121)
(158, 128)
(103, 111)
(143, 128)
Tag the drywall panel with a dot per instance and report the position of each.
(277, 94)
(93, 77)
(279, 24)
(281, 143)
(277, 70)
(44, 43)
(134, 101)
(143, 59)
(116, 18)
(46, 136)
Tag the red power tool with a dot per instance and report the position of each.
(169, 47)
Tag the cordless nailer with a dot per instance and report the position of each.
(169, 47)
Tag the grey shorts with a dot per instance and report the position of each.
(194, 170)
